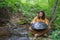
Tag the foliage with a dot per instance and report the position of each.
(29, 9)
(56, 35)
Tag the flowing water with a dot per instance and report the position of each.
(19, 33)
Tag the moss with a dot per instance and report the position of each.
(21, 22)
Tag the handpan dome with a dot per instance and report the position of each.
(39, 26)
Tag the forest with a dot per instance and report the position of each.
(16, 16)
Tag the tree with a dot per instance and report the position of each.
(53, 17)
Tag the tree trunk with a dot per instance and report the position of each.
(53, 17)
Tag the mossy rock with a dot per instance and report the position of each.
(30, 34)
(21, 22)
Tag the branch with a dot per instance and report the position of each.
(54, 8)
(52, 20)
(53, 17)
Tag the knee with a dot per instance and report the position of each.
(30, 28)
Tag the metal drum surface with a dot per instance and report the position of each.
(39, 26)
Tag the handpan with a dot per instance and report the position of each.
(39, 26)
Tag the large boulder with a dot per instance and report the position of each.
(5, 15)
(4, 31)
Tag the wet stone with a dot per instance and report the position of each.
(19, 31)
(18, 38)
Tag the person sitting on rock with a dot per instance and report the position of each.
(40, 18)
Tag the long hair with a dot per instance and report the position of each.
(43, 17)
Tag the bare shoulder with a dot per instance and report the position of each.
(36, 17)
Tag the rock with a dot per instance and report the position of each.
(4, 31)
(14, 37)
(19, 31)
(21, 22)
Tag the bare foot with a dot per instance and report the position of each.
(36, 35)
(45, 35)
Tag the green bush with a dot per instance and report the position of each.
(56, 35)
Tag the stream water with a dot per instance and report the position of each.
(19, 33)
